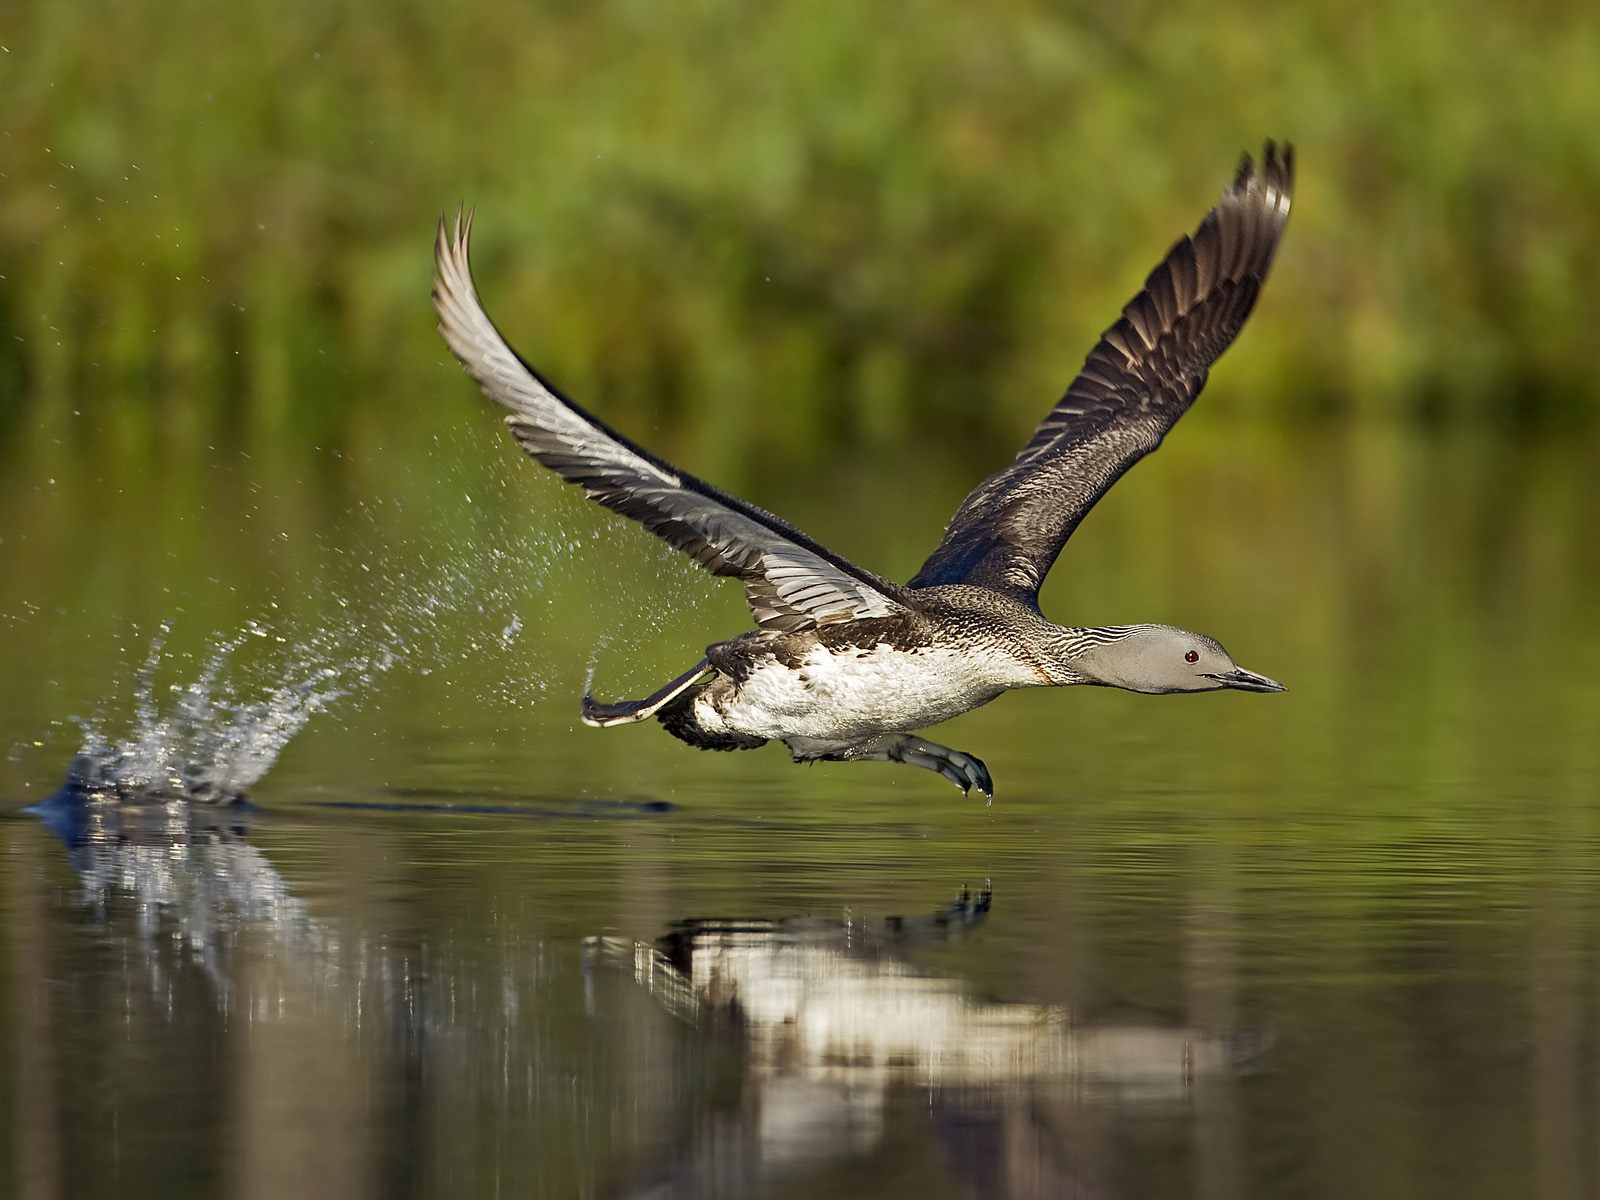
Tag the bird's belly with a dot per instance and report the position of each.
(850, 695)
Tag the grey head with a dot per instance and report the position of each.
(1158, 659)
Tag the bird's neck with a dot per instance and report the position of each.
(1077, 654)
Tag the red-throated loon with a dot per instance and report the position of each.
(847, 664)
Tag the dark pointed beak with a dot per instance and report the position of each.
(1248, 681)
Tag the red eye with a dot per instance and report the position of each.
(1192, 656)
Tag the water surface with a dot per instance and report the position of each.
(1336, 942)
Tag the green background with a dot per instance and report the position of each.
(774, 228)
(840, 258)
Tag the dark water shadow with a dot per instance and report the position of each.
(578, 810)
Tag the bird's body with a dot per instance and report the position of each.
(842, 683)
(847, 664)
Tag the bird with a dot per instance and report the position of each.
(846, 665)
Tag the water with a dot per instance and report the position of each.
(1336, 942)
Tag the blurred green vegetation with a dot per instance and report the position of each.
(766, 228)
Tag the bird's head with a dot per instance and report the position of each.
(1160, 658)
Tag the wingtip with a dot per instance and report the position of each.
(1277, 163)
(1267, 188)
(452, 271)
(1276, 172)
(452, 237)
(1243, 173)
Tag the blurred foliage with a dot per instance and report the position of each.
(767, 228)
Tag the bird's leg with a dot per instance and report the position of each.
(963, 770)
(627, 711)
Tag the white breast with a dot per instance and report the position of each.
(854, 694)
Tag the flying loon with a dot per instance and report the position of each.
(846, 664)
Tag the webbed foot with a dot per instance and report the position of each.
(964, 770)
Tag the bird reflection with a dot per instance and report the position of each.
(328, 1048)
(839, 1028)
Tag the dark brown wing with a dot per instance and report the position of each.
(790, 581)
(1135, 384)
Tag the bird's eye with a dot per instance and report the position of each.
(1192, 656)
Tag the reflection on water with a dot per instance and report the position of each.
(191, 903)
(376, 982)
(181, 868)
(270, 1048)
(835, 1036)
(838, 1029)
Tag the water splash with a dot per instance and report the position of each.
(212, 735)
(209, 742)
(207, 725)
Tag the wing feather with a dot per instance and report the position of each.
(791, 582)
(1137, 381)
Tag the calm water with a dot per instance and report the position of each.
(1337, 942)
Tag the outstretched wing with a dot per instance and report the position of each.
(1143, 375)
(790, 581)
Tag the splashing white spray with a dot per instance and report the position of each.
(437, 597)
